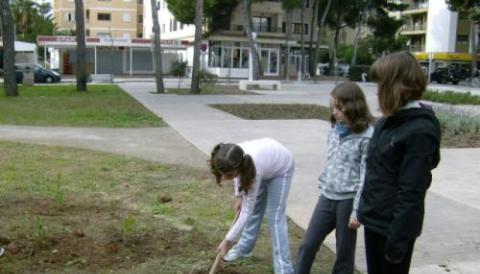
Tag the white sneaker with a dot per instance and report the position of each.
(2, 251)
(234, 254)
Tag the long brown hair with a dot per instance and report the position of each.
(400, 79)
(350, 99)
(230, 157)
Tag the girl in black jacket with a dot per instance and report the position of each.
(403, 151)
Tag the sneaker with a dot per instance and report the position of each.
(2, 251)
(234, 254)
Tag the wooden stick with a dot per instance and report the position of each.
(217, 259)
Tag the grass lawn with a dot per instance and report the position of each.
(451, 97)
(77, 211)
(458, 131)
(215, 90)
(61, 105)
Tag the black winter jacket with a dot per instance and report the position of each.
(403, 150)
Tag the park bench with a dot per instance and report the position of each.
(102, 78)
(274, 84)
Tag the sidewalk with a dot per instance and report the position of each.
(450, 242)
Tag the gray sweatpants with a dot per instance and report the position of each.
(329, 215)
(272, 196)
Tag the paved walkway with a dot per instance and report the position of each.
(154, 144)
(451, 238)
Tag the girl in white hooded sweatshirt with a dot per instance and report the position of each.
(262, 172)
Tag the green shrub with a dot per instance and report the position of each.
(457, 124)
(207, 80)
(355, 73)
(451, 97)
(179, 69)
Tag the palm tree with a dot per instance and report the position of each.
(157, 50)
(10, 81)
(195, 88)
(289, 6)
(257, 69)
(81, 47)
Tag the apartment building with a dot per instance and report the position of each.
(226, 49)
(103, 18)
(436, 33)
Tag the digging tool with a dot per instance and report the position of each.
(219, 257)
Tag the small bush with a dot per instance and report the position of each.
(179, 69)
(459, 129)
(355, 73)
(207, 79)
(451, 97)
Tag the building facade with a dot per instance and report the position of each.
(225, 51)
(435, 33)
(103, 18)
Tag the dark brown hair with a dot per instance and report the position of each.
(350, 99)
(230, 157)
(400, 79)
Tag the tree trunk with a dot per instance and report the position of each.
(319, 31)
(313, 24)
(473, 51)
(157, 50)
(257, 68)
(302, 41)
(361, 22)
(10, 79)
(287, 43)
(81, 47)
(195, 88)
(335, 48)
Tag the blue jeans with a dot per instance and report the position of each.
(272, 195)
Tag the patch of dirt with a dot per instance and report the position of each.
(86, 236)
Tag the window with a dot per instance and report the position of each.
(297, 28)
(104, 16)
(103, 35)
(70, 17)
(181, 25)
(140, 2)
(87, 14)
(462, 39)
(175, 23)
(87, 32)
(127, 17)
(163, 28)
(139, 35)
(140, 19)
(262, 24)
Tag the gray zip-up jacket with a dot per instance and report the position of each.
(343, 175)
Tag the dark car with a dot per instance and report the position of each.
(445, 75)
(18, 75)
(40, 74)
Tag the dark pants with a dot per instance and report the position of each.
(375, 251)
(329, 215)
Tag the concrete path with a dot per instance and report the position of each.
(154, 144)
(451, 239)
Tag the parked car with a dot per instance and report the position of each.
(40, 74)
(445, 75)
(18, 76)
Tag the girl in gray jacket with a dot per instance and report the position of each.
(341, 180)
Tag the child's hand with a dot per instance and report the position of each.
(223, 247)
(238, 205)
(353, 223)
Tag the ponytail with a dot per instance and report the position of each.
(213, 169)
(247, 173)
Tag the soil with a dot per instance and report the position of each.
(91, 237)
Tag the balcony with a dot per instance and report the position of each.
(257, 28)
(414, 29)
(416, 7)
(417, 48)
